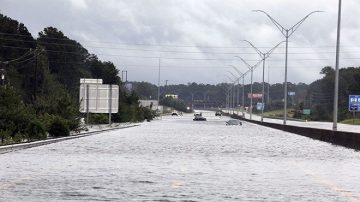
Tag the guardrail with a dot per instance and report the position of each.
(15, 147)
(342, 138)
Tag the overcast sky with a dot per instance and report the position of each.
(198, 39)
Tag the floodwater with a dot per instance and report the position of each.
(177, 159)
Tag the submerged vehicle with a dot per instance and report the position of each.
(198, 117)
(234, 122)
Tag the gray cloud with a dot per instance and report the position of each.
(193, 27)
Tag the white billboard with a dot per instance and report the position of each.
(99, 98)
(91, 81)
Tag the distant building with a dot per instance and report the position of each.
(172, 96)
(149, 103)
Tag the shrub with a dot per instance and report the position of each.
(5, 137)
(36, 130)
(18, 137)
(148, 113)
(59, 128)
(99, 119)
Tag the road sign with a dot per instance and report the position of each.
(354, 103)
(291, 93)
(90, 81)
(306, 111)
(255, 95)
(99, 98)
(259, 106)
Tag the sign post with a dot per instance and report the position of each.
(354, 105)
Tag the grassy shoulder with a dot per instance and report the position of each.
(351, 121)
(279, 113)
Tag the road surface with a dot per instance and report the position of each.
(177, 159)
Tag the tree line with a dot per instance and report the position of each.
(39, 92)
(318, 96)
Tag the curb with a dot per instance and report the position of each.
(15, 147)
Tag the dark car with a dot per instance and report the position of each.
(174, 114)
(218, 113)
(199, 118)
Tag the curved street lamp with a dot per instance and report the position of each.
(232, 97)
(287, 33)
(263, 56)
(242, 75)
(251, 69)
(236, 79)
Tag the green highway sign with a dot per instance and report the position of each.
(306, 111)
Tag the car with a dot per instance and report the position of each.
(218, 113)
(233, 122)
(199, 118)
(174, 114)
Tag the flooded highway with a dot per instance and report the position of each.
(178, 159)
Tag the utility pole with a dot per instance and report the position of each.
(263, 56)
(204, 100)
(192, 101)
(35, 75)
(287, 33)
(336, 88)
(124, 72)
(166, 81)
(158, 97)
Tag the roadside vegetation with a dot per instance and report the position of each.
(40, 89)
(351, 121)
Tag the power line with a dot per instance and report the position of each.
(19, 58)
(161, 45)
(194, 59)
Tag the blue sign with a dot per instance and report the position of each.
(259, 106)
(291, 93)
(354, 103)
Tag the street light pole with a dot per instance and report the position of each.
(263, 56)
(336, 88)
(233, 90)
(236, 95)
(285, 82)
(242, 75)
(287, 33)
(268, 88)
(251, 69)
